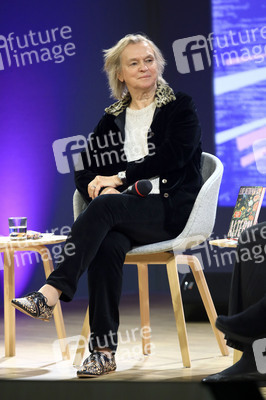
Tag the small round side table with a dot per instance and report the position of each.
(9, 247)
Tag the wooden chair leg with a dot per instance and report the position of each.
(82, 344)
(197, 271)
(144, 307)
(178, 311)
(58, 316)
(9, 311)
(237, 355)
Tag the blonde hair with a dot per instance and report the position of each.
(112, 63)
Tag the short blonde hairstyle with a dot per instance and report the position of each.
(112, 63)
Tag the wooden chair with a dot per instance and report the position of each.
(171, 253)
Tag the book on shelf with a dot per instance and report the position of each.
(246, 211)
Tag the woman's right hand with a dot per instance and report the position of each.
(99, 181)
(109, 190)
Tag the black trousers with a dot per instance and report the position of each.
(101, 236)
(249, 275)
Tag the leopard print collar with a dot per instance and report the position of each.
(163, 95)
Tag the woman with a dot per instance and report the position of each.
(247, 305)
(149, 133)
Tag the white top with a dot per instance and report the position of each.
(137, 126)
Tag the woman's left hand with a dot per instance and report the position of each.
(102, 181)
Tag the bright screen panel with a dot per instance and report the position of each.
(238, 44)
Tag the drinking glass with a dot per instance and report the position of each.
(17, 228)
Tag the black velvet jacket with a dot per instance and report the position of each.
(174, 143)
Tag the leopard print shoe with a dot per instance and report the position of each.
(35, 305)
(97, 364)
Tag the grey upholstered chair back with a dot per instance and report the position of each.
(201, 220)
(202, 217)
(79, 204)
